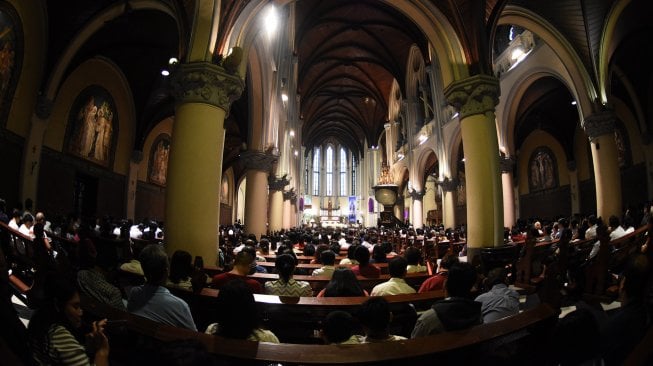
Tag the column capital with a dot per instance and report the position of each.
(449, 185)
(290, 195)
(204, 82)
(507, 163)
(277, 184)
(599, 124)
(416, 195)
(257, 160)
(477, 94)
(43, 107)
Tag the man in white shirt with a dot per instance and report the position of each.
(591, 231)
(27, 227)
(617, 231)
(328, 259)
(396, 285)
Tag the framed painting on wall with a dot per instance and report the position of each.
(10, 56)
(93, 125)
(543, 170)
(158, 163)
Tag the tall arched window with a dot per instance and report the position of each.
(316, 171)
(353, 175)
(306, 161)
(329, 171)
(343, 172)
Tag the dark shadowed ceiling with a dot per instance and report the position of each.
(349, 53)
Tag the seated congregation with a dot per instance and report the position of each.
(124, 301)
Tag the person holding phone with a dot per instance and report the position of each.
(55, 329)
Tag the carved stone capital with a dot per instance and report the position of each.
(477, 94)
(416, 195)
(277, 184)
(204, 82)
(290, 195)
(449, 185)
(599, 124)
(43, 107)
(257, 160)
(507, 163)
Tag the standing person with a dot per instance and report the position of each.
(286, 285)
(152, 300)
(54, 328)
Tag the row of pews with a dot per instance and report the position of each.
(295, 321)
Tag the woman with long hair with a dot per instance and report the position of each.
(343, 283)
(54, 329)
(286, 285)
(238, 317)
(181, 271)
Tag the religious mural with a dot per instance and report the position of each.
(224, 191)
(543, 170)
(461, 190)
(621, 139)
(93, 120)
(8, 62)
(158, 168)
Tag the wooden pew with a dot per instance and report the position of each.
(308, 267)
(319, 282)
(524, 335)
(297, 319)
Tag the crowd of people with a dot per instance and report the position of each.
(58, 334)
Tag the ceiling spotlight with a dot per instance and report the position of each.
(165, 72)
(296, 153)
(173, 61)
(271, 20)
(517, 53)
(573, 102)
(284, 97)
(292, 133)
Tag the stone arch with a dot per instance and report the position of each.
(425, 156)
(435, 25)
(578, 76)
(508, 107)
(59, 71)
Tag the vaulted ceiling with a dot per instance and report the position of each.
(349, 54)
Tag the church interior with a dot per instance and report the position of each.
(473, 117)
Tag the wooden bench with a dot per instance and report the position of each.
(296, 319)
(309, 267)
(523, 336)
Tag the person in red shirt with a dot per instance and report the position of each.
(364, 268)
(436, 282)
(241, 269)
